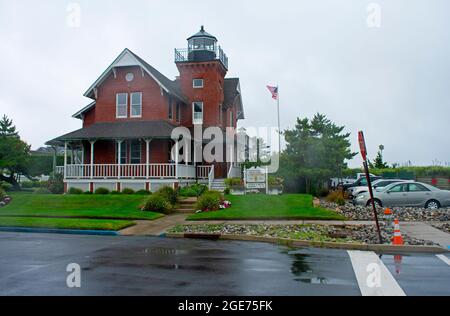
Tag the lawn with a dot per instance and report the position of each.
(266, 207)
(79, 206)
(64, 223)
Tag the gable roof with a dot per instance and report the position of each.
(87, 108)
(126, 59)
(232, 95)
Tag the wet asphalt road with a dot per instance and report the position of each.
(35, 264)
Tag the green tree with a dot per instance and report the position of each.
(14, 153)
(317, 149)
(378, 162)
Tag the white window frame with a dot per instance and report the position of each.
(194, 119)
(132, 105)
(117, 105)
(198, 87)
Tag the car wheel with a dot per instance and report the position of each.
(377, 203)
(433, 205)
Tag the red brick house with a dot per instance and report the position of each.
(125, 140)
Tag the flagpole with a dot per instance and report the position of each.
(279, 125)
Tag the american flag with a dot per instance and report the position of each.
(274, 91)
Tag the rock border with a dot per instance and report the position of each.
(305, 243)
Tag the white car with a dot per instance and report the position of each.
(380, 183)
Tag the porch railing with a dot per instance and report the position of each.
(234, 171)
(134, 171)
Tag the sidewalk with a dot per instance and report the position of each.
(156, 227)
(425, 231)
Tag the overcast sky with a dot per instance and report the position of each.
(391, 81)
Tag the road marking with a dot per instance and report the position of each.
(374, 278)
(444, 258)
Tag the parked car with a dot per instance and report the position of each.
(380, 183)
(407, 194)
(360, 182)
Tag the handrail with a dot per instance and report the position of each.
(211, 177)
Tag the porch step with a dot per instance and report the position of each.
(218, 185)
(187, 206)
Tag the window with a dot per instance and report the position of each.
(136, 104)
(170, 109)
(415, 187)
(398, 188)
(197, 109)
(197, 83)
(121, 105)
(178, 112)
(135, 152)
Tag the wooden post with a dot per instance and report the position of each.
(92, 158)
(147, 156)
(65, 160)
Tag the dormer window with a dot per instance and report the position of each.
(197, 83)
(122, 105)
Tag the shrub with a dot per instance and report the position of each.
(233, 182)
(102, 191)
(27, 184)
(336, 196)
(194, 190)
(6, 186)
(227, 191)
(2, 194)
(75, 191)
(128, 191)
(169, 194)
(56, 184)
(157, 203)
(340, 201)
(143, 192)
(115, 193)
(42, 191)
(209, 201)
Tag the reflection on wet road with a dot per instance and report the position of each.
(35, 264)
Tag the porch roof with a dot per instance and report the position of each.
(119, 130)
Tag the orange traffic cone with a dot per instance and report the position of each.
(388, 211)
(398, 239)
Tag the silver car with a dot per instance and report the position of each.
(407, 194)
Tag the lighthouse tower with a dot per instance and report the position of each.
(203, 66)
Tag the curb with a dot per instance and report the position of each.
(305, 243)
(59, 231)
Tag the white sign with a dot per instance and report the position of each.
(255, 178)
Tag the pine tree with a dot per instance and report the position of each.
(7, 129)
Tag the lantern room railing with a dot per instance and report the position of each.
(192, 55)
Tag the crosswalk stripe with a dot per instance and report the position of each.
(374, 278)
(444, 258)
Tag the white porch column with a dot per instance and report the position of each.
(119, 159)
(177, 151)
(147, 158)
(92, 158)
(65, 160)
